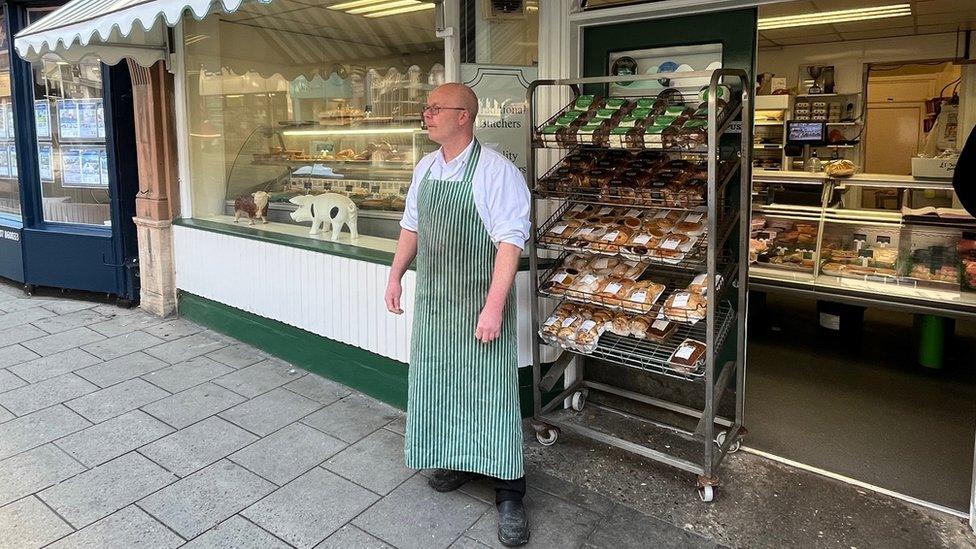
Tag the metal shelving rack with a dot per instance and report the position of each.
(722, 254)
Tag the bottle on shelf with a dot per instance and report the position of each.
(813, 163)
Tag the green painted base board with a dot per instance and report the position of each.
(377, 376)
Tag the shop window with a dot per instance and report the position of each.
(9, 183)
(292, 99)
(69, 121)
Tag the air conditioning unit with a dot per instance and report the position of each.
(504, 9)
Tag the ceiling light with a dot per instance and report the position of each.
(383, 7)
(838, 16)
(356, 4)
(408, 9)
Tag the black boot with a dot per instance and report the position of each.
(513, 524)
(446, 480)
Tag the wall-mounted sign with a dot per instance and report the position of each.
(502, 111)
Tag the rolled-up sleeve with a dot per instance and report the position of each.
(508, 205)
(409, 220)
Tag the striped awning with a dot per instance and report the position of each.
(112, 29)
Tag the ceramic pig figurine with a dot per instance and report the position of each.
(252, 205)
(326, 209)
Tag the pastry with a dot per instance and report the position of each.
(700, 284)
(642, 296)
(614, 291)
(586, 337)
(590, 233)
(688, 356)
(586, 286)
(692, 225)
(629, 269)
(603, 265)
(612, 240)
(559, 232)
(560, 281)
(580, 211)
(685, 307)
(620, 324)
(660, 330)
(576, 261)
(638, 326)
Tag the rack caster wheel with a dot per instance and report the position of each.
(706, 493)
(579, 400)
(547, 437)
(733, 448)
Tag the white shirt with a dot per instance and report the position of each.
(500, 193)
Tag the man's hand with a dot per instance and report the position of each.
(489, 325)
(393, 291)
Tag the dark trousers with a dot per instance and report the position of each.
(509, 490)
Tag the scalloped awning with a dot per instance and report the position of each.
(112, 29)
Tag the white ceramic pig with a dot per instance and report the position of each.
(326, 209)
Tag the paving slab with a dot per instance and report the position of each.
(5, 415)
(9, 381)
(553, 522)
(206, 498)
(15, 354)
(310, 508)
(193, 448)
(64, 306)
(129, 528)
(399, 425)
(24, 433)
(116, 400)
(192, 405)
(110, 439)
(125, 323)
(253, 380)
(121, 369)
(54, 365)
(236, 532)
(122, 345)
(415, 516)
(33, 471)
(183, 349)
(352, 418)
(184, 375)
(465, 542)
(375, 462)
(350, 536)
(238, 356)
(25, 316)
(101, 491)
(173, 329)
(288, 453)
(70, 321)
(62, 341)
(33, 397)
(265, 414)
(20, 334)
(19, 304)
(29, 523)
(322, 390)
(626, 528)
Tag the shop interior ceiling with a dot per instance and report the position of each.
(312, 37)
(928, 17)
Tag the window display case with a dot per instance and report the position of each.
(892, 241)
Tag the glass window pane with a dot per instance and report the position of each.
(294, 98)
(71, 155)
(9, 183)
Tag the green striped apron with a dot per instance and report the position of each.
(463, 407)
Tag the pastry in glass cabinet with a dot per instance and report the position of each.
(331, 209)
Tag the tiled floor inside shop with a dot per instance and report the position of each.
(118, 429)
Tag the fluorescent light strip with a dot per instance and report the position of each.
(384, 6)
(351, 132)
(419, 7)
(356, 4)
(878, 12)
(844, 19)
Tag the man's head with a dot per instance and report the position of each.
(456, 106)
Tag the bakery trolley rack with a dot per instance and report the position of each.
(723, 255)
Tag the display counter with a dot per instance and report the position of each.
(875, 240)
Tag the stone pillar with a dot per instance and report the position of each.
(157, 200)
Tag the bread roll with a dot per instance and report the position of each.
(642, 296)
(685, 307)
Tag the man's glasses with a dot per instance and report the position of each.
(434, 110)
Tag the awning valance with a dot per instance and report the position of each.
(112, 29)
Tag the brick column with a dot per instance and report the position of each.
(158, 197)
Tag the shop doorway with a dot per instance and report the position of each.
(902, 100)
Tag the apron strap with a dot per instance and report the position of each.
(469, 169)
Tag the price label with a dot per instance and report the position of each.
(633, 213)
(660, 325)
(589, 279)
(606, 210)
(694, 218)
(588, 325)
(680, 300)
(569, 321)
(684, 352)
(558, 278)
(559, 229)
(640, 296)
(552, 320)
(670, 244)
(642, 239)
(612, 288)
(611, 236)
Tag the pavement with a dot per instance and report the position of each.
(120, 429)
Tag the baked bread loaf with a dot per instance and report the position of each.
(660, 330)
(642, 296)
(638, 326)
(685, 307)
(688, 356)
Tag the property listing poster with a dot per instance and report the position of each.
(84, 167)
(12, 156)
(9, 116)
(4, 165)
(103, 165)
(91, 168)
(3, 120)
(42, 118)
(71, 167)
(68, 125)
(45, 161)
(88, 118)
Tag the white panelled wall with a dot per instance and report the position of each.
(334, 297)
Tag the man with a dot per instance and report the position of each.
(466, 222)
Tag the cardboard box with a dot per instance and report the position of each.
(778, 83)
(933, 168)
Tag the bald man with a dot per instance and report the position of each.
(466, 223)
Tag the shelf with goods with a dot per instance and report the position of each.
(883, 241)
(769, 133)
(841, 114)
(645, 243)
